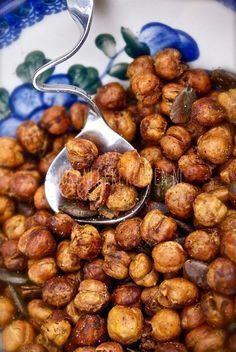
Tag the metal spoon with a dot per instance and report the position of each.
(95, 129)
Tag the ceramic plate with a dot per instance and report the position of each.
(34, 31)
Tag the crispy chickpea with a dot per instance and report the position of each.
(56, 328)
(60, 141)
(121, 122)
(18, 333)
(169, 92)
(93, 296)
(156, 227)
(68, 183)
(227, 171)
(109, 347)
(41, 270)
(58, 291)
(81, 153)
(55, 120)
(196, 271)
(229, 223)
(106, 164)
(177, 292)
(124, 324)
(127, 295)
(61, 224)
(23, 185)
(142, 64)
(215, 145)
(153, 128)
(5, 180)
(168, 64)
(38, 311)
(122, 197)
(194, 168)
(8, 311)
(78, 115)
(227, 100)
(86, 241)
(202, 245)
(135, 169)
(152, 154)
(205, 339)
(165, 325)
(141, 271)
(32, 138)
(14, 227)
(12, 258)
(208, 112)
(46, 161)
(111, 96)
(116, 264)
(73, 312)
(109, 241)
(90, 330)
(168, 257)
(128, 234)
(37, 242)
(67, 260)
(149, 298)
(175, 142)
(192, 317)
(11, 153)
(179, 199)
(208, 210)
(33, 347)
(30, 164)
(7, 208)
(218, 310)
(85, 349)
(94, 270)
(39, 218)
(221, 276)
(40, 200)
(170, 347)
(228, 245)
(146, 87)
(50, 347)
(197, 79)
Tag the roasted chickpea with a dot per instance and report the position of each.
(111, 96)
(177, 292)
(39, 218)
(152, 154)
(227, 171)
(46, 161)
(41, 270)
(146, 87)
(208, 210)
(109, 241)
(90, 330)
(202, 245)
(14, 227)
(94, 270)
(122, 122)
(229, 223)
(122, 197)
(149, 298)
(106, 164)
(55, 120)
(11, 153)
(56, 328)
(61, 224)
(86, 241)
(93, 296)
(73, 312)
(175, 142)
(142, 64)
(78, 115)
(7, 208)
(192, 317)
(18, 333)
(215, 145)
(86, 184)
(126, 295)
(8, 311)
(116, 264)
(205, 339)
(33, 347)
(5, 180)
(221, 276)
(194, 168)
(60, 141)
(68, 183)
(168, 64)
(37, 242)
(197, 79)
(141, 271)
(227, 100)
(208, 112)
(170, 347)
(81, 153)
(40, 200)
(67, 260)
(169, 92)
(165, 325)
(38, 311)
(128, 234)
(85, 349)
(228, 244)
(196, 271)
(124, 324)
(109, 347)
(218, 310)
(156, 227)
(12, 258)
(168, 257)
(50, 347)
(153, 128)
(23, 185)
(32, 138)
(58, 291)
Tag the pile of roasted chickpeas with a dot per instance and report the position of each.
(164, 281)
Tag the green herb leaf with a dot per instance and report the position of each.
(119, 70)
(106, 42)
(4, 107)
(134, 47)
(86, 78)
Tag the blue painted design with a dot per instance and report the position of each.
(15, 15)
(229, 3)
(187, 46)
(36, 114)
(8, 126)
